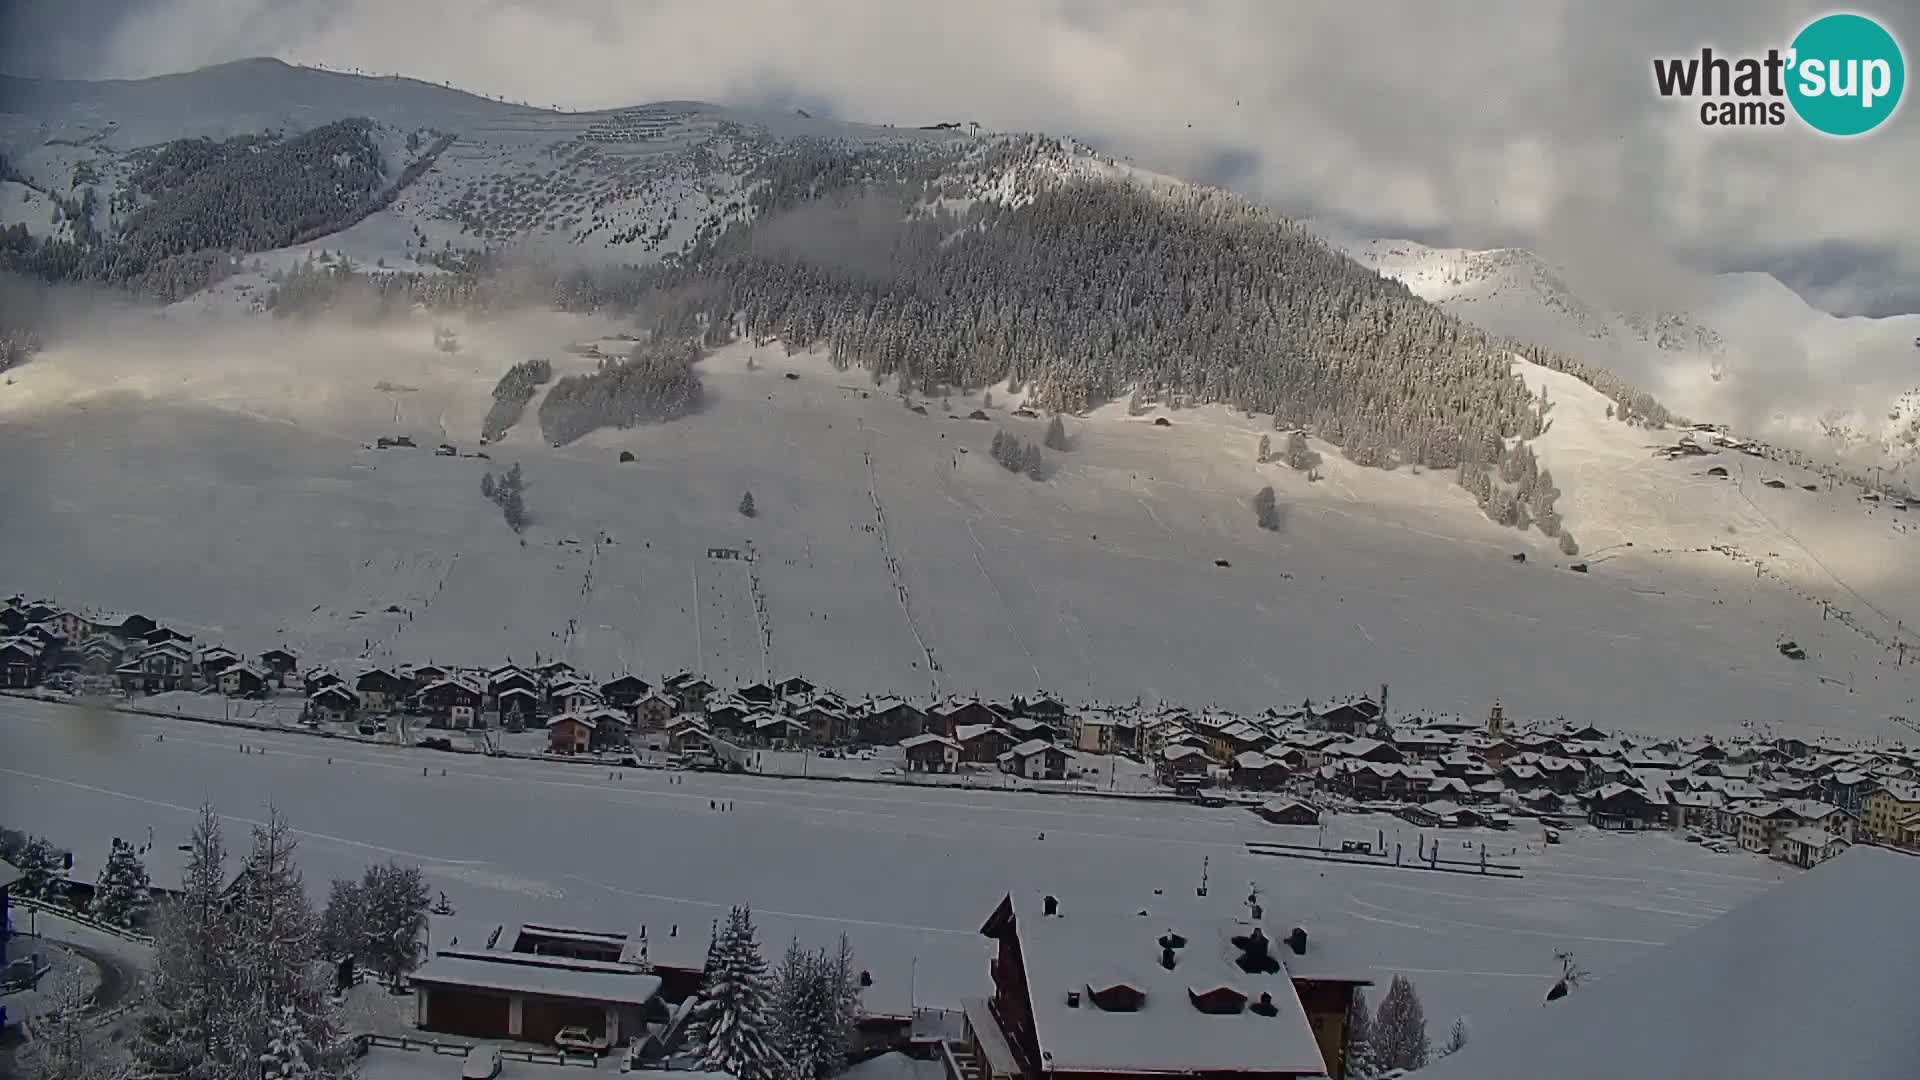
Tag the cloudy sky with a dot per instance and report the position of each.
(1469, 122)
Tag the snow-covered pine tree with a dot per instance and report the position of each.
(286, 1055)
(1400, 1027)
(746, 505)
(343, 922)
(1266, 449)
(1032, 464)
(396, 898)
(1057, 434)
(843, 985)
(276, 941)
(1363, 1060)
(41, 871)
(731, 1029)
(184, 1032)
(122, 894)
(800, 1010)
(1456, 1037)
(1265, 510)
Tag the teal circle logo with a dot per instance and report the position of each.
(1846, 74)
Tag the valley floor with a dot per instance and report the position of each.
(909, 875)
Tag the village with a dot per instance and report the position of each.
(1794, 799)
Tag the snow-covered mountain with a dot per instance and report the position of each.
(216, 468)
(1739, 349)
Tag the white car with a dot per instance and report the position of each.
(483, 1063)
(578, 1039)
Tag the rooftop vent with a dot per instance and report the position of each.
(1166, 957)
(1073, 999)
(1265, 1006)
(1256, 954)
(1050, 906)
(1171, 940)
(866, 978)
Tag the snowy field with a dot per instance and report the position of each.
(216, 473)
(910, 876)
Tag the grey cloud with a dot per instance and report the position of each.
(1471, 122)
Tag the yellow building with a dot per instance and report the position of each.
(1886, 808)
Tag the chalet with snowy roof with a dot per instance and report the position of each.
(243, 680)
(215, 659)
(158, 668)
(653, 710)
(1079, 994)
(1619, 806)
(1035, 759)
(891, 720)
(501, 680)
(777, 731)
(727, 712)
(1349, 718)
(333, 704)
(571, 733)
(1366, 749)
(1693, 809)
(452, 702)
(22, 663)
(687, 733)
(758, 693)
(794, 686)
(1848, 790)
(518, 708)
(1886, 808)
(691, 691)
(1289, 812)
(824, 722)
(379, 689)
(279, 664)
(1256, 771)
(982, 744)
(554, 671)
(1760, 825)
(931, 753)
(1177, 763)
(317, 677)
(1808, 846)
(100, 654)
(624, 693)
(969, 714)
(572, 695)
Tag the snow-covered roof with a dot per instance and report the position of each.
(1812, 978)
(1076, 952)
(529, 974)
(1812, 836)
(922, 740)
(1901, 791)
(574, 718)
(1032, 747)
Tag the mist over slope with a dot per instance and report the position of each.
(674, 264)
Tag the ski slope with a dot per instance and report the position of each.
(216, 472)
(816, 859)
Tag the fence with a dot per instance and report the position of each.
(365, 1041)
(34, 903)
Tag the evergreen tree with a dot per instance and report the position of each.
(185, 1032)
(486, 484)
(746, 505)
(1032, 464)
(276, 945)
(1300, 456)
(1568, 546)
(999, 449)
(286, 1056)
(1266, 450)
(396, 899)
(42, 871)
(1363, 1060)
(1056, 434)
(343, 922)
(843, 983)
(1400, 1028)
(801, 1011)
(730, 1027)
(122, 894)
(1456, 1038)
(1265, 510)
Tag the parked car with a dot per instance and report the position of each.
(483, 1063)
(578, 1039)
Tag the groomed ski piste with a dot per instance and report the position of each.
(219, 473)
(908, 875)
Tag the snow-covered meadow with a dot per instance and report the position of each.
(909, 875)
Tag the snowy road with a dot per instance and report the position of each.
(910, 875)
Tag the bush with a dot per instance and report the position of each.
(1567, 544)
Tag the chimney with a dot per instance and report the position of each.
(1051, 906)
(1256, 912)
(1073, 999)
(1265, 1006)
(1166, 957)
(866, 978)
(1297, 941)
